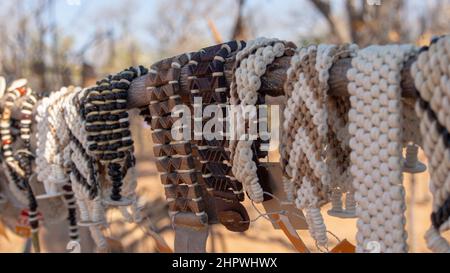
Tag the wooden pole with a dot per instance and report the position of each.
(272, 82)
(274, 79)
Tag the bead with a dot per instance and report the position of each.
(6, 142)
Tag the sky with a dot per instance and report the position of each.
(81, 18)
(76, 16)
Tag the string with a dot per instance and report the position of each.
(284, 212)
(151, 230)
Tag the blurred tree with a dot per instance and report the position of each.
(32, 45)
(240, 31)
(389, 22)
(185, 25)
(367, 23)
(434, 21)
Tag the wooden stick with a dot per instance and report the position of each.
(216, 34)
(273, 81)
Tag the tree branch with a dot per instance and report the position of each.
(325, 9)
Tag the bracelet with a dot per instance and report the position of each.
(109, 137)
(338, 150)
(251, 64)
(430, 73)
(376, 142)
(82, 171)
(52, 140)
(206, 80)
(307, 156)
(25, 157)
(211, 87)
(175, 161)
(18, 167)
(49, 167)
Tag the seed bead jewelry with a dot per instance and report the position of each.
(83, 171)
(210, 85)
(376, 142)
(25, 156)
(175, 161)
(307, 164)
(251, 65)
(308, 193)
(206, 80)
(338, 149)
(107, 123)
(431, 75)
(49, 150)
(18, 168)
(52, 140)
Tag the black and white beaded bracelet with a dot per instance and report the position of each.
(107, 122)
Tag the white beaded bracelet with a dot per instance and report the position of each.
(431, 76)
(49, 150)
(251, 65)
(376, 142)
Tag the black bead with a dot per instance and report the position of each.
(121, 106)
(125, 125)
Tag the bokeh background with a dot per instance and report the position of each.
(55, 43)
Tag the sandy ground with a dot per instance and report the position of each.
(261, 237)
